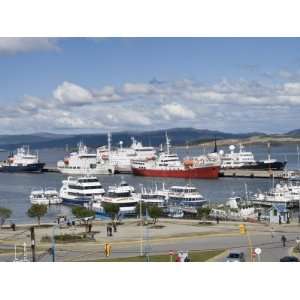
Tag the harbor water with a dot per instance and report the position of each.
(15, 188)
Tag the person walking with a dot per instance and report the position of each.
(283, 240)
(115, 226)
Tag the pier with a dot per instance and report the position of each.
(50, 170)
(243, 173)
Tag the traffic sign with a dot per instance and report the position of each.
(257, 251)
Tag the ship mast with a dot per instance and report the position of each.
(168, 144)
(109, 142)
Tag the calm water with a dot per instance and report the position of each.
(15, 188)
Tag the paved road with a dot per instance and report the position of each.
(270, 244)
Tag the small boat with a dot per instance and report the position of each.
(46, 196)
(37, 196)
(52, 195)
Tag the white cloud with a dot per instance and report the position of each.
(137, 88)
(16, 45)
(236, 105)
(70, 93)
(178, 111)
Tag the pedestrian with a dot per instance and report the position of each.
(110, 231)
(115, 226)
(13, 226)
(218, 219)
(107, 230)
(90, 227)
(279, 220)
(283, 239)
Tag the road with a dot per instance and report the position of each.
(261, 237)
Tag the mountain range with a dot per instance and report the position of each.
(178, 136)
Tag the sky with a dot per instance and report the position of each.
(93, 85)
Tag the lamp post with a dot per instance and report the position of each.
(141, 223)
(53, 247)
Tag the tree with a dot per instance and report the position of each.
(5, 213)
(203, 212)
(83, 213)
(155, 212)
(112, 209)
(37, 211)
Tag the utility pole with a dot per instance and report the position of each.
(142, 229)
(32, 236)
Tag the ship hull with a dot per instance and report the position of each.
(96, 171)
(276, 166)
(75, 201)
(204, 173)
(31, 168)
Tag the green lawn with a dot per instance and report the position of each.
(195, 256)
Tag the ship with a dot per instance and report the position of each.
(82, 162)
(122, 157)
(169, 165)
(245, 160)
(22, 161)
(81, 190)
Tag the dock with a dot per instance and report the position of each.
(50, 170)
(244, 173)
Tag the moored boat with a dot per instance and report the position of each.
(81, 190)
(22, 161)
(169, 165)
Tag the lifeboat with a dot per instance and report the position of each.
(188, 163)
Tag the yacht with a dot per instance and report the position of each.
(122, 194)
(46, 196)
(22, 161)
(156, 197)
(169, 165)
(122, 157)
(81, 190)
(245, 160)
(185, 196)
(82, 162)
(282, 193)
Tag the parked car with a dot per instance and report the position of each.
(235, 257)
(289, 259)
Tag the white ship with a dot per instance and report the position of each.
(238, 159)
(122, 157)
(46, 196)
(282, 193)
(245, 160)
(122, 194)
(81, 190)
(185, 196)
(22, 161)
(155, 197)
(83, 162)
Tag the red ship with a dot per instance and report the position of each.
(169, 165)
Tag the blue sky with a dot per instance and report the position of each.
(96, 85)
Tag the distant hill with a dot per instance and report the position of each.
(295, 132)
(178, 136)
